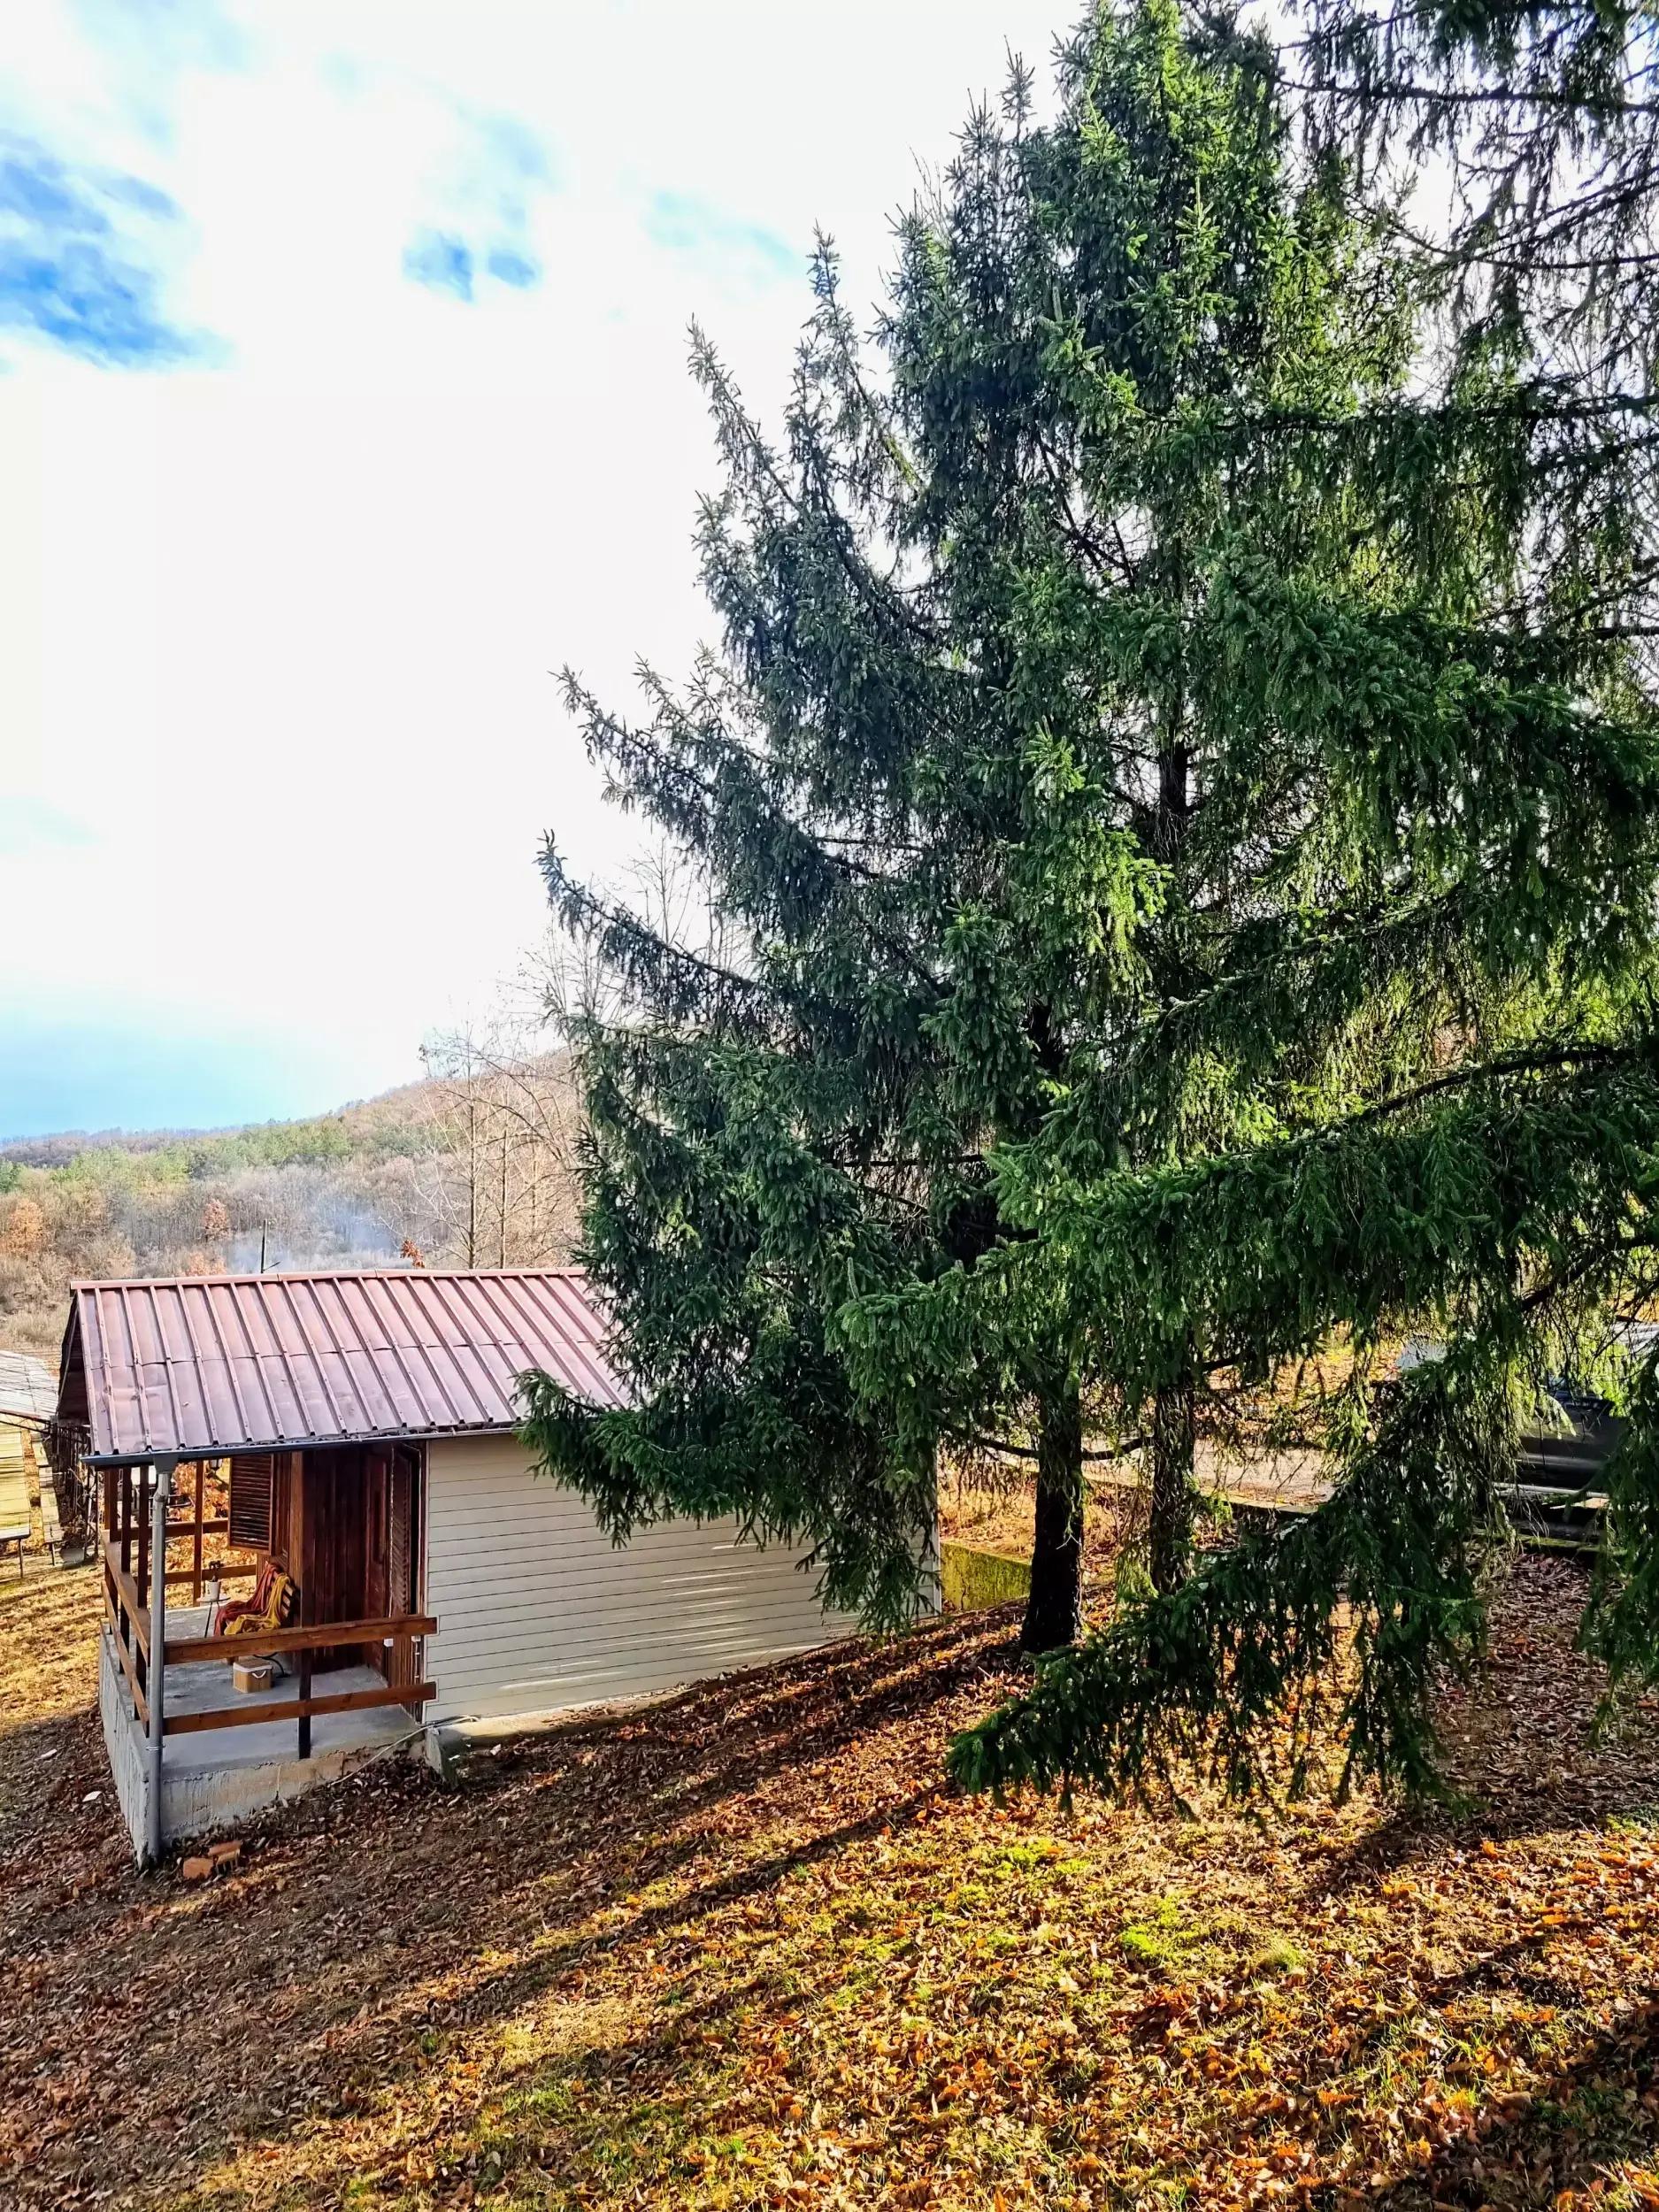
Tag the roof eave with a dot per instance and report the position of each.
(342, 1442)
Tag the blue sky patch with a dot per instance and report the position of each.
(35, 190)
(500, 167)
(511, 149)
(75, 269)
(685, 224)
(440, 261)
(444, 262)
(517, 269)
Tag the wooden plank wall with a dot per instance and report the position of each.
(345, 1524)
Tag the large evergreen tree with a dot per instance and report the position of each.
(1180, 775)
(1449, 1060)
(968, 807)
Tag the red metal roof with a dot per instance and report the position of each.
(210, 1364)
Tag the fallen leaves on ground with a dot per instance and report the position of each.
(740, 1950)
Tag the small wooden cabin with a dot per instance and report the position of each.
(341, 1447)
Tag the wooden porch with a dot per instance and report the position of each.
(344, 1524)
(211, 1724)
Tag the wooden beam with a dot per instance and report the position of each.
(226, 1574)
(126, 1590)
(295, 1708)
(316, 1635)
(144, 1540)
(161, 1481)
(141, 1703)
(196, 1538)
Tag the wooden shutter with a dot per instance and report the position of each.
(252, 1482)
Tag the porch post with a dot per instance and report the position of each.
(161, 1491)
(195, 1537)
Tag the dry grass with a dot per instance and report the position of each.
(741, 1951)
(1000, 1515)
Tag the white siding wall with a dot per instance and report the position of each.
(538, 1611)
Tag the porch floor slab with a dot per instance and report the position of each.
(205, 1687)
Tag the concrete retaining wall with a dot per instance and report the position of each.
(207, 1799)
(122, 1741)
(196, 1801)
(971, 1579)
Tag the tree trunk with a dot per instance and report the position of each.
(1169, 1533)
(1053, 1613)
(501, 1241)
(471, 1180)
(1169, 829)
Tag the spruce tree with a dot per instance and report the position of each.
(1179, 776)
(974, 814)
(1442, 1069)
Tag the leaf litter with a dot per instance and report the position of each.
(739, 1949)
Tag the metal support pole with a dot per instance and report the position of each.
(160, 1495)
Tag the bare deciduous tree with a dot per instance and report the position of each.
(498, 1173)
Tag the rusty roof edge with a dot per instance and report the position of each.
(318, 1443)
(336, 1274)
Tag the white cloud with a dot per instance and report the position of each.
(276, 630)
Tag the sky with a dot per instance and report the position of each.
(343, 401)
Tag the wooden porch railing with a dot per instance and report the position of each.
(401, 1685)
(128, 1615)
(129, 1631)
(129, 1634)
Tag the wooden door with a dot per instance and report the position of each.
(377, 1526)
(334, 1542)
(394, 1551)
(402, 1545)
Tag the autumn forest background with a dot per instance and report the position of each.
(470, 1166)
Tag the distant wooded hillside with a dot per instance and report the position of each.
(469, 1168)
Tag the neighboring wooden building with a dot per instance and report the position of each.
(366, 1422)
(27, 1392)
(27, 1396)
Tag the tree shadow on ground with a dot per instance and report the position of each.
(1506, 1784)
(379, 1924)
(369, 1915)
(1595, 2114)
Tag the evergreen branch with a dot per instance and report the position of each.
(1004, 1450)
(1203, 1676)
(1537, 1061)
(632, 940)
(1408, 94)
(709, 373)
